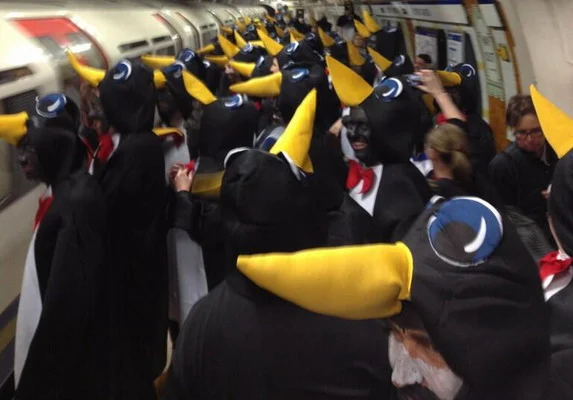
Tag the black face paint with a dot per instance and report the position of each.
(29, 161)
(359, 135)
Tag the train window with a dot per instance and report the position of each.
(167, 51)
(127, 47)
(57, 34)
(174, 34)
(12, 75)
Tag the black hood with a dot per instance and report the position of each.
(175, 91)
(250, 53)
(128, 97)
(300, 52)
(267, 208)
(193, 63)
(402, 65)
(297, 81)
(479, 295)
(394, 113)
(469, 88)
(53, 135)
(263, 67)
(388, 41)
(227, 123)
(561, 202)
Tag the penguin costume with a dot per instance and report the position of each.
(243, 342)
(482, 327)
(307, 50)
(133, 182)
(556, 268)
(348, 54)
(384, 122)
(465, 91)
(63, 326)
(387, 41)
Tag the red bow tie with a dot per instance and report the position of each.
(356, 174)
(550, 265)
(105, 147)
(44, 204)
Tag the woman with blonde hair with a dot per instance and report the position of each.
(446, 146)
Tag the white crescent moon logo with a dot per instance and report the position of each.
(475, 244)
(124, 73)
(54, 106)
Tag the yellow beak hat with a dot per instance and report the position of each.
(370, 23)
(295, 140)
(157, 62)
(94, 76)
(346, 282)
(362, 29)
(266, 86)
(206, 49)
(326, 40)
(13, 127)
(557, 126)
(272, 47)
(350, 87)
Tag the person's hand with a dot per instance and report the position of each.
(174, 169)
(431, 83)
(546, 193)
(336, 128)
(183, 179)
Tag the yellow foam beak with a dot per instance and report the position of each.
(157, 62)
(248, 20)
(351, 89)
(355, 282)
(91, 75)
(354, 56)
(245, 69)
(557, 126)
(207, 185)
(370, 23)
(228, 47)
(167, 131)
(382, 62)
(266, 86)
(449, 79)
(295, 36)
(227, 30)
(159, 79)
(220, 61)
(13, 127)
(295, 140)
(362, 29)
(240, 41)
(272, 47)
(206, 49)
(326, 40)
(197, 89)
(262, 27)
(240, 25)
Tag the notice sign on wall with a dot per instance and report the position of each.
(455, 48)
(427, 43)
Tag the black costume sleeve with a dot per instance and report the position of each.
(463, 125)
(199, 218)
(503, 176)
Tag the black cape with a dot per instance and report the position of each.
(69, 357)
(241, 342)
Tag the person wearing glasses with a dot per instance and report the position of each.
(522, 172)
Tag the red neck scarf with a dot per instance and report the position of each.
(551, 265)
(357, 174)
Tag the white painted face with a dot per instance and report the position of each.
(418, 370)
